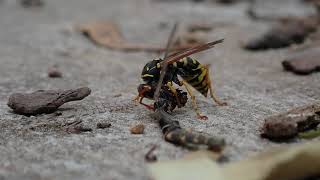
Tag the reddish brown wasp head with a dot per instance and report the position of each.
(146, 91)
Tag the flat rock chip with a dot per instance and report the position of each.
(288, 124)
(44, 101)
(304, 62)
(284, 34)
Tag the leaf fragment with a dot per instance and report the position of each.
(286, 162)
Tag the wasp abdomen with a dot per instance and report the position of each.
(193, 73)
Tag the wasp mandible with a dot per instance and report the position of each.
(192, 73)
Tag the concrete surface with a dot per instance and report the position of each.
(32, 40)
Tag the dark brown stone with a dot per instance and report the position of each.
(44, 101)
(304, 62)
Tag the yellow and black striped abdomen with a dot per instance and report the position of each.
(194, 74)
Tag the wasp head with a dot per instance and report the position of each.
(151, 71)
(145, 90)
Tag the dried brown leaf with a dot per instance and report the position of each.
(107, 34)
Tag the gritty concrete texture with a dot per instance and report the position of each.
(32, 40)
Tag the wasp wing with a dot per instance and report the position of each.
(179, 55)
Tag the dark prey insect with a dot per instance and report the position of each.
(180, 64)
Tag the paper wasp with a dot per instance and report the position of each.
(160, 74)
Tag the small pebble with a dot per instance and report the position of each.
(54, 72)
(137, 129)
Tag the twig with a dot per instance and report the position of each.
(175, 134)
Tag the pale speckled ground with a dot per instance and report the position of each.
(31, 40)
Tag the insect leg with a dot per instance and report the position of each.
(194, 103)
(173, 90)
(137, 98)
(212, 92)
(150, 107)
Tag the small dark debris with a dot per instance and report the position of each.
(58, 113)
(53, 72)
(75, 122)
(227, 1)
(44, 101)
(150, 156)
(32, 3)
(103, 125)
(77, 129)
(42, 126)
(304, 62)
(117, 95)
(163, 25)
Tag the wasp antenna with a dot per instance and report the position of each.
(216, 42)
(164, 67)
(170, 40)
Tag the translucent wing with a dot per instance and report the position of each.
(179, 55)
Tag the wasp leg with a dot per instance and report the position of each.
(150, 107)
(212, 92)
(194, 103)
(173, 90)
(137, 98)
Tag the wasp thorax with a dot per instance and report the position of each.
(151, 71)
